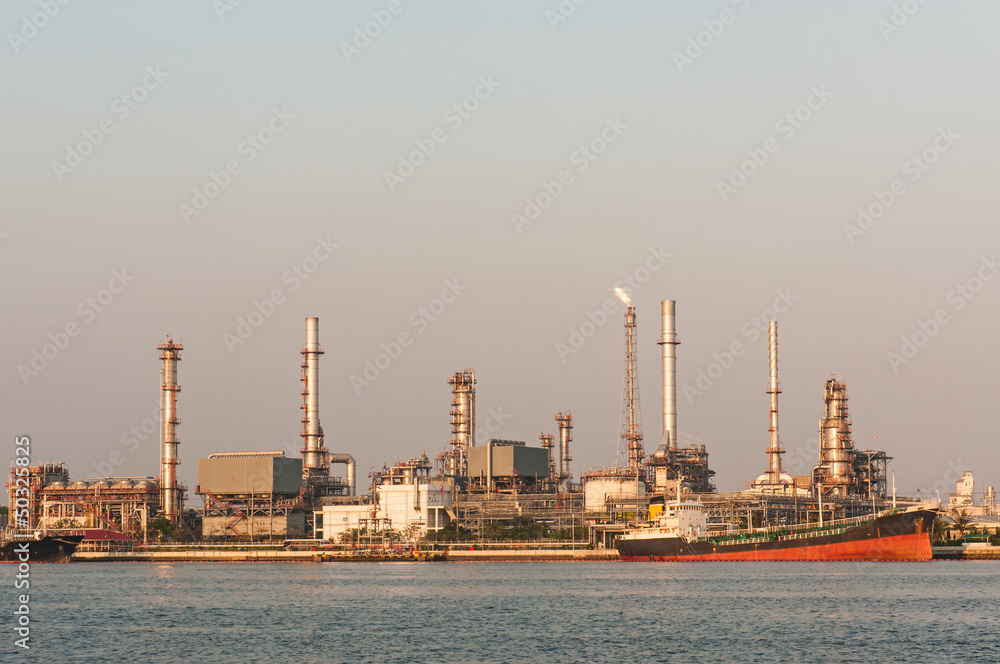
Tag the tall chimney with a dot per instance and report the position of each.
(774, 451)
(668, 352)
(312, 452)
(170, 354)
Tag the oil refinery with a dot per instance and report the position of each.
(467, 491)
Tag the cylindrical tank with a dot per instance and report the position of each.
(597, 490)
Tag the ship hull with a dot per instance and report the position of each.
(903, 536)
(48, 549)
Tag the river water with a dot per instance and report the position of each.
(508, 612)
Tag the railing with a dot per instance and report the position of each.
(505, 546)
(798, 531)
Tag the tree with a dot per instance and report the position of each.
(161, 527)
(963, 522)
(939, 531)
(412, 534)
(494, 530)
(452, 532)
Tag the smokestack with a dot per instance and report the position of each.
(170, 354)
(565, 422)
(668, 352)
(312, 453)
(774, 451)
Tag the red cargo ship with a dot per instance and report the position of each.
(681, 534)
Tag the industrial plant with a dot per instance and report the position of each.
(469, 490)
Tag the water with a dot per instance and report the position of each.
(516, 612)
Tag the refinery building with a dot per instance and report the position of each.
(279, 495)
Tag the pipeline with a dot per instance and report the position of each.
(351, 468)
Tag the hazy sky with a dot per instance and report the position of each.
(168, 168)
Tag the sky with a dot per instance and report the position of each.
(452, 185)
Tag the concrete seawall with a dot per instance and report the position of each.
(280, 556)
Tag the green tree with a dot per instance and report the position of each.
(160, 528)
(495, 530)
(963, 522)
(939, 531)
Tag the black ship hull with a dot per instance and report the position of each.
(48, 549)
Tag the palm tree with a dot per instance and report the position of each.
(963, 522)
(939, 531)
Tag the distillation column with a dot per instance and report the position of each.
(565, 422)
(836, 447)
(546, 440)
(463, 421)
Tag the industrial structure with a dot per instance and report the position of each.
(172, 495)
(477, 485)
(121, 504)
(630, 420)
(774, 480)
(455, 462)
(251, 494)
(104, 506)
(565, 423)
(610, 494)
(671, 461)
(406, 502)
(316, 459)
(264, 494)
